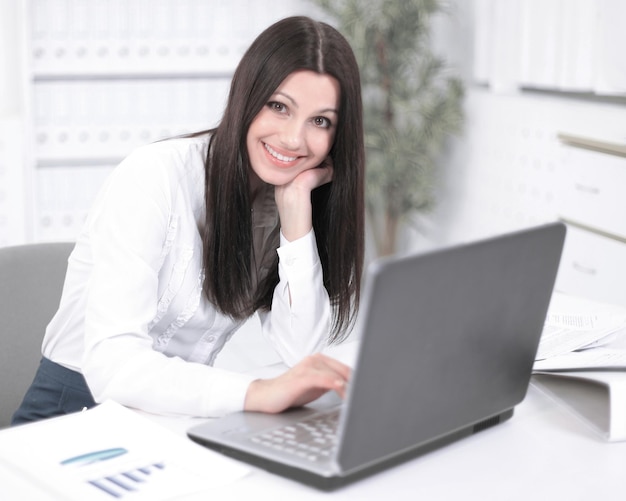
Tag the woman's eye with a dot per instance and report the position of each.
(322, 122)
(276, 106)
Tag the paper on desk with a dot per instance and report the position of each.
(110, 452)
(574, 323)
(589, 359)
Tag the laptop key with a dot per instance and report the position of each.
(312, 439)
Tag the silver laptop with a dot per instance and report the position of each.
(447, 343)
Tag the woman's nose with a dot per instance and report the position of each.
(292, 135)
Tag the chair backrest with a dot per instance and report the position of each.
(31, 281)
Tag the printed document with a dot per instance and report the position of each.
(110, 452)
(574, 323)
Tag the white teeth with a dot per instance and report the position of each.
(277, 155)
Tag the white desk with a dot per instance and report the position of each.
(541, 453)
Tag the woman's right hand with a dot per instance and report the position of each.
(300, 385)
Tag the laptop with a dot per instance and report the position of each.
(447, 341)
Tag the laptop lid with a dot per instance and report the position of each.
(448, 340)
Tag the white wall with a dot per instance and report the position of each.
(11, 99)
(13, 179)
(511, 170)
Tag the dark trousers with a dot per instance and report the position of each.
(55, 391)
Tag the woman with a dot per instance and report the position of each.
(191, 236)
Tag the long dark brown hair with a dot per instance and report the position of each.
(295, 43)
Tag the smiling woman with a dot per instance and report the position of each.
(191, 236)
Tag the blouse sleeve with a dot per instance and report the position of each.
(299, 322)
(127, 232)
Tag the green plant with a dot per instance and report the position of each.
(411, 104)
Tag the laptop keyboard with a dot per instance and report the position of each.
(314, 438)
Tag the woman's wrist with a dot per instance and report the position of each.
(295, 212)
(255, 396)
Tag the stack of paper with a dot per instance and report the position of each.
(575, 326)
(110, 452)
(581, 362)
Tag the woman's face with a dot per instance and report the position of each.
(295, 129)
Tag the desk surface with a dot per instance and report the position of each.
(543, 452)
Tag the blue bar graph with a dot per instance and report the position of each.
(116, 484)
(119, 485)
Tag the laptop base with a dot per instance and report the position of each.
(335, 482)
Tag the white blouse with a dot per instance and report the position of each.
(133, 319)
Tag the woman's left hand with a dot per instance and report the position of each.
(294, 200)
(310, 179)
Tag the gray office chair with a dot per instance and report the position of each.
(31, 280)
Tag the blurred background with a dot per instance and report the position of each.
(542, 138)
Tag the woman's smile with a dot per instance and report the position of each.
(282, 159)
